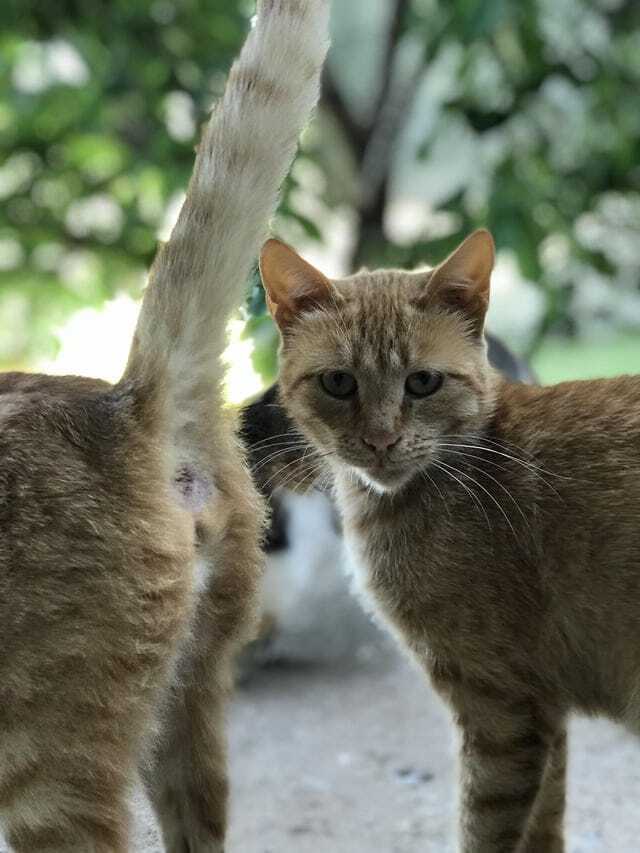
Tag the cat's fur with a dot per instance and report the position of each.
(273, 441)
(129, 527)
(495, 525)
(305, 613)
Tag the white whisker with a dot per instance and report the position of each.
(486, 491)
(427, 476)
(316, 458)
(441, 467)
(275, 455)
(494, 480)
(529, 466)
(282, 436)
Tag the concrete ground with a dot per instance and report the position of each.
(360, 758)
(331, 760)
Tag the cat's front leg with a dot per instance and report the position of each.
(505, 753)
(545, 831)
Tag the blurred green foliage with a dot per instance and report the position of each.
(88, 156)
(522, 113)
(528, 108)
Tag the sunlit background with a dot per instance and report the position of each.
(436, 118)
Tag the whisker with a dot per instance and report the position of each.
(275, 455)
(282, 436)
(299, 461)
(311, 468)
(529, 466)
(314, 472)
(488, 493)
(276, 444)
(427, 476)
(327, 483)
(509, 445)
(284, 445)
(491, 462)
(506, 445)
(476, 499)
(494, 480)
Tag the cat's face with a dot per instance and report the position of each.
(379, 367)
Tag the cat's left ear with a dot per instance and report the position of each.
(292, 286)
(463, 280)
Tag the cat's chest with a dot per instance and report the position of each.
(394, 562)
(382, 563)
(431, 583)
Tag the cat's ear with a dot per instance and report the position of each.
(291, 285)
(463, 280)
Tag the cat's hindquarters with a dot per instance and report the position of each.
(94, 599)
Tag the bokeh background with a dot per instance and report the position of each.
(436, 117)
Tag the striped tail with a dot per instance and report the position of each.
(199, 276)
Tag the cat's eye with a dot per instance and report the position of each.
(338, 384)
(423, 383)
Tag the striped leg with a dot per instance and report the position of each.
(63, 801)
(187, 780)
(545, 833)
(505, 753)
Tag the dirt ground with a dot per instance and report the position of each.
(361, 758)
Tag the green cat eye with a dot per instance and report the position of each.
(423, 383)
(338, 384)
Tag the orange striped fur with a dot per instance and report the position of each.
(494, 525)
(129, 526)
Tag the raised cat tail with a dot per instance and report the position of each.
(199, 276)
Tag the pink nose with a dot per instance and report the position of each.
(381, 441)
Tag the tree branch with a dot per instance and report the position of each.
(393, 37)
(355, 133)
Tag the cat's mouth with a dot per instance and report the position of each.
(386, 476)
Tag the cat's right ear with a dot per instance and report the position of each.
(292, 286)
(463, 280)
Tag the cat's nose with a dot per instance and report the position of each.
(381, 441)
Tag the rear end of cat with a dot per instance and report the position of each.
(493, 524)
(129, 527)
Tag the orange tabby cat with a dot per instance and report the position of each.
(129, 527)
(495, 524)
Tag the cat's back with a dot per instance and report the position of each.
(87, 512)
(596, 409)
(577, 449)
(60, 437)
(69, 412)
(94, 598)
